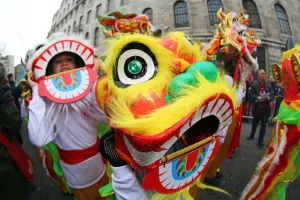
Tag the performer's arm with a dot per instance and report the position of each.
(124, 180)
(38, 133)
(125, 184)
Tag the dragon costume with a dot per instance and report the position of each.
(159, 94)
(281, 162)
(117, 22)
(232, 46)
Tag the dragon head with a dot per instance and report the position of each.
(232, 40)
(166, 106)
(249, 60)
(289, 74)
(116, 22)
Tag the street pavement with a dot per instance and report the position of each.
(236, 172)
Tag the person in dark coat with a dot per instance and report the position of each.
(279, 97)
(13, 184)
(15, 90)
(273, 84)
(248, 102)
(262, 94)
(11, 81)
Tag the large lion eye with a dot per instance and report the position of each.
(188, 39)
(136, 64)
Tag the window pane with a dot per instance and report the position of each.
(181, 14)
(213, 7)
(88, 17)
(98, 10)
(283, 20)
(111, 5)
(261, 57)
(96, 38)
(251, 8)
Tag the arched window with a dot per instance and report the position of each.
(213, 7)
(181, 14)
(96, 37)
(261, 57)
(251, 8)
(283, 20)
(149, 13)
(87, 35)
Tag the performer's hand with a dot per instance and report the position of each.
(31, 82)
(258, 98)
(108, 151)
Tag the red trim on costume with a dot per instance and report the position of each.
(235, 142)
(236, 71)
(77, 156)
(292, 138)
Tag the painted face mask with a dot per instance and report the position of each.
(166, 106)
(69, 86)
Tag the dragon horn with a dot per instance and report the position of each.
(221, 15)
(295, 67)
(276, 69)
(106, 21)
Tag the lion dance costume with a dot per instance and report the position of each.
(64, 115)
(281, 163)
(159, 94)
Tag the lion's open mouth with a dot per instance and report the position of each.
(189, 155)
(198, 130)
(201, 130)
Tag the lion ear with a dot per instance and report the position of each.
(295, 67)
(277, 74)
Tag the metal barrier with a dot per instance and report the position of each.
(278, 100)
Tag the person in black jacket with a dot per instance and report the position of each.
(13, 184)
(15, 90)
(11, 81)
(262, 94)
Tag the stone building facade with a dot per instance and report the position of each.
(8, 62)
(274, 20)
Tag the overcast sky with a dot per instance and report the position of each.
(24, 23)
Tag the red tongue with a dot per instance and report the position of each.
(192, 139)
(191, 159)
(67, 78)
